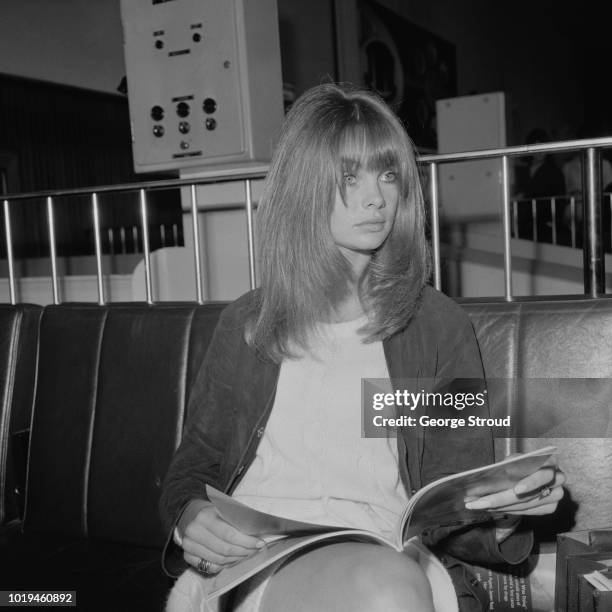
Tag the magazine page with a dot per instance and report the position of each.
(258, 523)
(442, 502)
(283, 537)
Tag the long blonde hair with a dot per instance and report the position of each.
(303, 274)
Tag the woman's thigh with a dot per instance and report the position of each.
(348, 576)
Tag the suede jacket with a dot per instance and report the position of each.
(234, 391)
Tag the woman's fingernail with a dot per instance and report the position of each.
(260, 543)
(477, 505)
(520, 488)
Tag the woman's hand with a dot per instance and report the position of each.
(538, 493)
(205, 536)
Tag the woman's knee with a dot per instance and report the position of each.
(386, 580)
(350, 576)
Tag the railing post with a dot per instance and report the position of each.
(145, 245)
(98, 246)
(52, 249)
(250, 232)
(9, 252)
(608, 245)
(592, 251)
(506, 229)
(553, 214)
(434, 221)
(573, 221)
(196, 244)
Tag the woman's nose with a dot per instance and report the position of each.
(373, 196)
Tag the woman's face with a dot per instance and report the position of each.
(361, 222)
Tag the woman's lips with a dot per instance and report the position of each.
(372, 226)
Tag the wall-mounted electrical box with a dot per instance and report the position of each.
(204, 82)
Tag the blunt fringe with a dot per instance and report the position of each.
(303, 275)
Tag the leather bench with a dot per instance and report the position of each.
(108, 414)
(110, 397)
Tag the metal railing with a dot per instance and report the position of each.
(124, 239)
(594, 282)
(560, 215)
(593, 258)
(142, 189)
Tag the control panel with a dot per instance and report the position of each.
(204, 81)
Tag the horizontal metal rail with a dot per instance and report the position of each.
(548, 147)
(225, 177)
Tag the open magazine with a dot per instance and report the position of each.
(439, 503)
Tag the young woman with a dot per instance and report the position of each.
(275, 412)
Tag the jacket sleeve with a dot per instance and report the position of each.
(198, 459)
(448, 451)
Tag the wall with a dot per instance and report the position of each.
(74, 42)
(307, 47)
(523, 48)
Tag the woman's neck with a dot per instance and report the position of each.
(349, 309)
(358, 261)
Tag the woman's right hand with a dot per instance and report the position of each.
(206, 536)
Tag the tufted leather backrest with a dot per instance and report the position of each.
(108, 414)
(18, 350)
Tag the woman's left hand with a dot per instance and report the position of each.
(538, 493)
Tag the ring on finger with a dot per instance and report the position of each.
(544, 492)
(204, 566)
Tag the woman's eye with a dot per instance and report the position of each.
(349, 179)
(389, 177)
